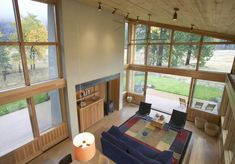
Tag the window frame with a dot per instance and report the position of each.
(194, 73)
(30, 90)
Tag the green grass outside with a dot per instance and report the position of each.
(178, 87)
(18, 105)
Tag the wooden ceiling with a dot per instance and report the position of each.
(210, 15)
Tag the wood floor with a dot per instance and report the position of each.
(202, 149)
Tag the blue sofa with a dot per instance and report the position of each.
(124, 150)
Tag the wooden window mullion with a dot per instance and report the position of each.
(21, 40)
(33, 117)
(199, 53)
(58, 47)
(62, 104)
(191, 91)
(171, 45)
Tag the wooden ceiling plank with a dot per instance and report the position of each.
(208, 15)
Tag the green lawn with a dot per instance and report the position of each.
(179, 87)
(14, 106)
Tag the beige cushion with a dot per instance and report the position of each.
(200, 122)
(211, 129)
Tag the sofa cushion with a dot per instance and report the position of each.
(115, 141)
(165, 157)
(142, 157)
(115, 131)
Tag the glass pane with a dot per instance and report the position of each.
(8, 30)
(38, 21)
(167, 92)
(42, 63)
(124, 81)
(217, 57)
(126, 43)
(141, 33)
(186, 37)
(139, 56)
(11, 73)
(184, 56)
(137, 82)
(48, 110)
(207, 96)
(15, 126)
(125, 56)
(210, 39)
(126, 36)
(160, 35)
(159, 55)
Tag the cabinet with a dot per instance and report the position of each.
(228, 121)
(92, 109)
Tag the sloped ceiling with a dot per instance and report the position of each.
(210, 15)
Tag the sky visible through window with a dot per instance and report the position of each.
(26, 6)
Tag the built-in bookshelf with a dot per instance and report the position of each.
(90, 106)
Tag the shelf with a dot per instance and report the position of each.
(89, 102)
(86, 97)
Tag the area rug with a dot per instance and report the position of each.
(140, 129)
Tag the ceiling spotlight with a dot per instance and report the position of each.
(192, 27)
(149, 16)
(114, 10)
(127, 16)
(175, 14)
(137, 19)
(99, 7)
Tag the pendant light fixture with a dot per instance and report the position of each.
(127, 16)
(99, 7)
(175, 16)
(114, 10)
(137, 19)
(149, 16)
(192, 27)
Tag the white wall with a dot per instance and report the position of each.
(93, 47)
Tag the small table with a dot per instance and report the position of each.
(157, 123)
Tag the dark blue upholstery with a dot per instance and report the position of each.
(178, 120)
(122, 149)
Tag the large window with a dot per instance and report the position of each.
(207, 96)
(184, 56)
(42, 63)
(160, 35)
(11, 74)
(48, 110)
(136, 82)
(217, 57)
(140, 33)
(139, 56)
(31, 91)
(159, 55)
(16, 129)
(167, 92)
